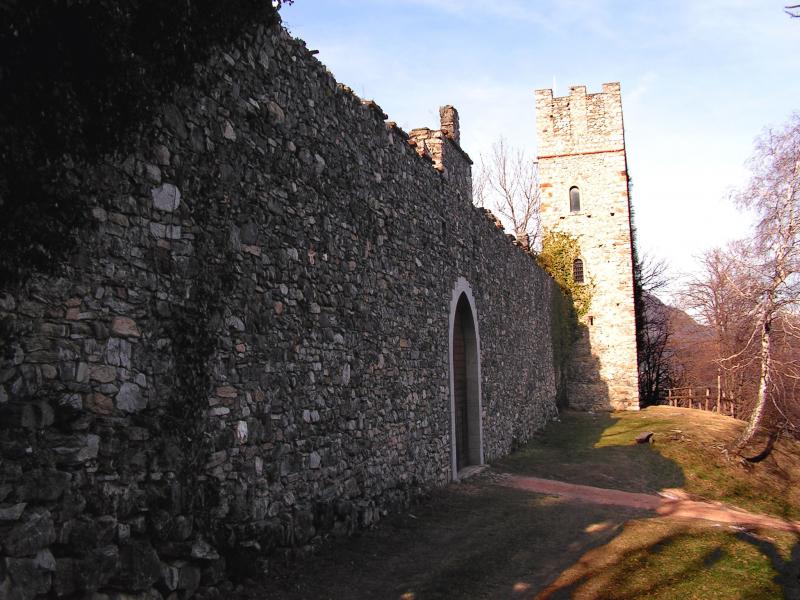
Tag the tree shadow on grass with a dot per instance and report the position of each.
(778, 465)
(787, 569)
(658, 559)
(600, 450)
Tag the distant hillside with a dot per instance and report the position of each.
(689, 346)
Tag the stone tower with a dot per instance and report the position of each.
(584, 183)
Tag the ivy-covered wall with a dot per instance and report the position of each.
(246, 349)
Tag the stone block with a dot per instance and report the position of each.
(276, 113)
(235, 323)
(87, 533)
(182, 528)
(189, 577)
(214, 572)
(79, 449)
(27, 579)
(97, 568)
(45, 561)
(12, 512)
(166, 197)
(118, 352)
(170, 576)
(34, 532)
(204, 551)
(130, 398)
(99, 404)
(227, 391)
(240, 433)
(44, 485)
(64, 577)
(31, 415)
(139, 566)
(161, 154)
(125, 327)
(174, 121)
(70, 404)
(102, 373)
(153, 173)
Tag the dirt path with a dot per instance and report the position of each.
(501, 535)
(474, 539)
(673, 503)
(518, 529)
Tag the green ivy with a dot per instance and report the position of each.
(559, 250)
(570, 301)
(563, 333)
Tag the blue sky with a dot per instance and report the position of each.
(700, 80)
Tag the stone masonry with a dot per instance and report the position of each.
(581, 143)
(247, 351)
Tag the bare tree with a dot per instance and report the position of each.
(720, 298)
(793, 10)
(480, 186)
(774, 193)
(653, 274)
(508, 180)
(656, 367)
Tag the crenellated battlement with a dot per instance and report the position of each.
(580, 123)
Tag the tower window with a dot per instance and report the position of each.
(577, 270)
(574, 199)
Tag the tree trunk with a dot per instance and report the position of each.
(764, 380)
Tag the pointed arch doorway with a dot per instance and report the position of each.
(465, 381)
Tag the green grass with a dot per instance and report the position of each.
(666, 558)
(578, 451)
(663, 559)
(698, 565)
(688, 452)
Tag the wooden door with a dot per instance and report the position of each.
(460, 390)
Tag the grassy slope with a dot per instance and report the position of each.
(688, 452)
(666, 559)
(662, 558)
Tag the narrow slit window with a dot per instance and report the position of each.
(574, 199)
(577, 270)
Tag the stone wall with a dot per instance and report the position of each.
(582, 143)
(247, 351)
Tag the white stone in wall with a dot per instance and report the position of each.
(166, 197)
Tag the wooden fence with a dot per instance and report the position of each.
(701, 398)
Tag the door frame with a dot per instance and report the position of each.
(475, 398)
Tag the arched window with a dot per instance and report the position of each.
(577, 270)
(574, 199)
